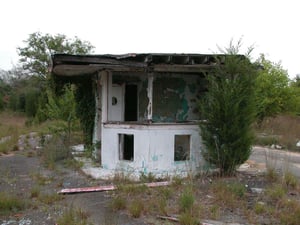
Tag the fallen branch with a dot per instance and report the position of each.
(108, 188)
(174, 219)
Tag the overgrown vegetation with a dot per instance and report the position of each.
(29, 88)
(215, 198)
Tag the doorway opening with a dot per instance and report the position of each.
(126, 147)
(131, 102)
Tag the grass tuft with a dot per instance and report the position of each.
(136, 208)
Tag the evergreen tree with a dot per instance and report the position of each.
(229, 111)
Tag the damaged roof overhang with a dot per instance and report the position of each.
(74, 65)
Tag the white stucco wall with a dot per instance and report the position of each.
(153, 149)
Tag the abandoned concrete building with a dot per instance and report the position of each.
(147, 117)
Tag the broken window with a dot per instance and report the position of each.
(182, 147)
(126, 147)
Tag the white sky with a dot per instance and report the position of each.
(158, 26)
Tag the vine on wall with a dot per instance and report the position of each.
(85, 101)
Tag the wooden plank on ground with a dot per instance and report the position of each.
(108, 188)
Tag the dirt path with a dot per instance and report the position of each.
(22, 174)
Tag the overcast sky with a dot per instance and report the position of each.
(158, 26)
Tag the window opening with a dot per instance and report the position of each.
(126, 147)
(182, 147)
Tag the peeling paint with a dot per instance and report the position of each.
(155, 158)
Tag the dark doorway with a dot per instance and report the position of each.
(131, 102)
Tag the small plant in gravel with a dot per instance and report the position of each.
(49, 199)
(73, 216)
(187, 219)
(228, 194)
(290, 180)
(186, 200)
(41, 179)
(237, 189)
(10, 203)
(118, 203)
(35, 192)
(275, 192)
(150, 177)
(136, 208)
(189, 212)
(55, 150)
(260, 208)
(214, 212)
(271, 174)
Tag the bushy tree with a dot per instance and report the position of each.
(35, 57)
(273, 93)
(229, 111)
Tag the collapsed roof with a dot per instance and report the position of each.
(74, 65)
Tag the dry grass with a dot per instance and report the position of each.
(12, 119)
(283, 130)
